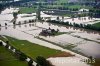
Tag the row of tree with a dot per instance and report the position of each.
(41, 61)
(94, 13)
(1, 8)
(88, 26)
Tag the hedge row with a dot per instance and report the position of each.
(21, 56)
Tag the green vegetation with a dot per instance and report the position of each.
(59, 4)
(27, 9)
(42, 61)
(97, 24)
(88, 26)
(7, 58)
(70, 46)
(75, 6)
(30, 49)
(30, 63)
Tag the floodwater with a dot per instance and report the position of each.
(84, 41)
(79, 38)
(70, 61)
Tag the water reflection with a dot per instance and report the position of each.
(25, 25)
(0, 28)
(90, 49)
(32, 24)
(49, 24)
(20, 26)
(29, 25)
(6, 27)
(14, 26)
(28, 30)
(85, 46)
(75, 28)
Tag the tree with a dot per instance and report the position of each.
(15, 15)
(1, 43)
(81, 25)
(62, 18)
(7, 46)
(22, 57)
(67, 23)
(14, 22)
(30, 63)
(5, 24)
(0, 25)
(58, 18)
(41, 61)
(12, 47)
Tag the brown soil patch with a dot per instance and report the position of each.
(63, 54)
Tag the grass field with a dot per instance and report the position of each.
(27, 9)
(31, 49)
(97, 24)
(7, 58)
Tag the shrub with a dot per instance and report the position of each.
(7, 42)
(7, 46)
(22, 57)
(42, 61)
(1, 43)
(30, 63)
(88, 26)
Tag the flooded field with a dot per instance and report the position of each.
(86, 42)
(81, 40)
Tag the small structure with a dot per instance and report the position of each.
(49, 32)
(83, 10)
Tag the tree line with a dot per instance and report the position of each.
(88, 26)
(41, 61)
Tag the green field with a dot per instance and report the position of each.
(7, 58)
(59, 3)
(27, 9)
(30, 49)
(97, 24)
